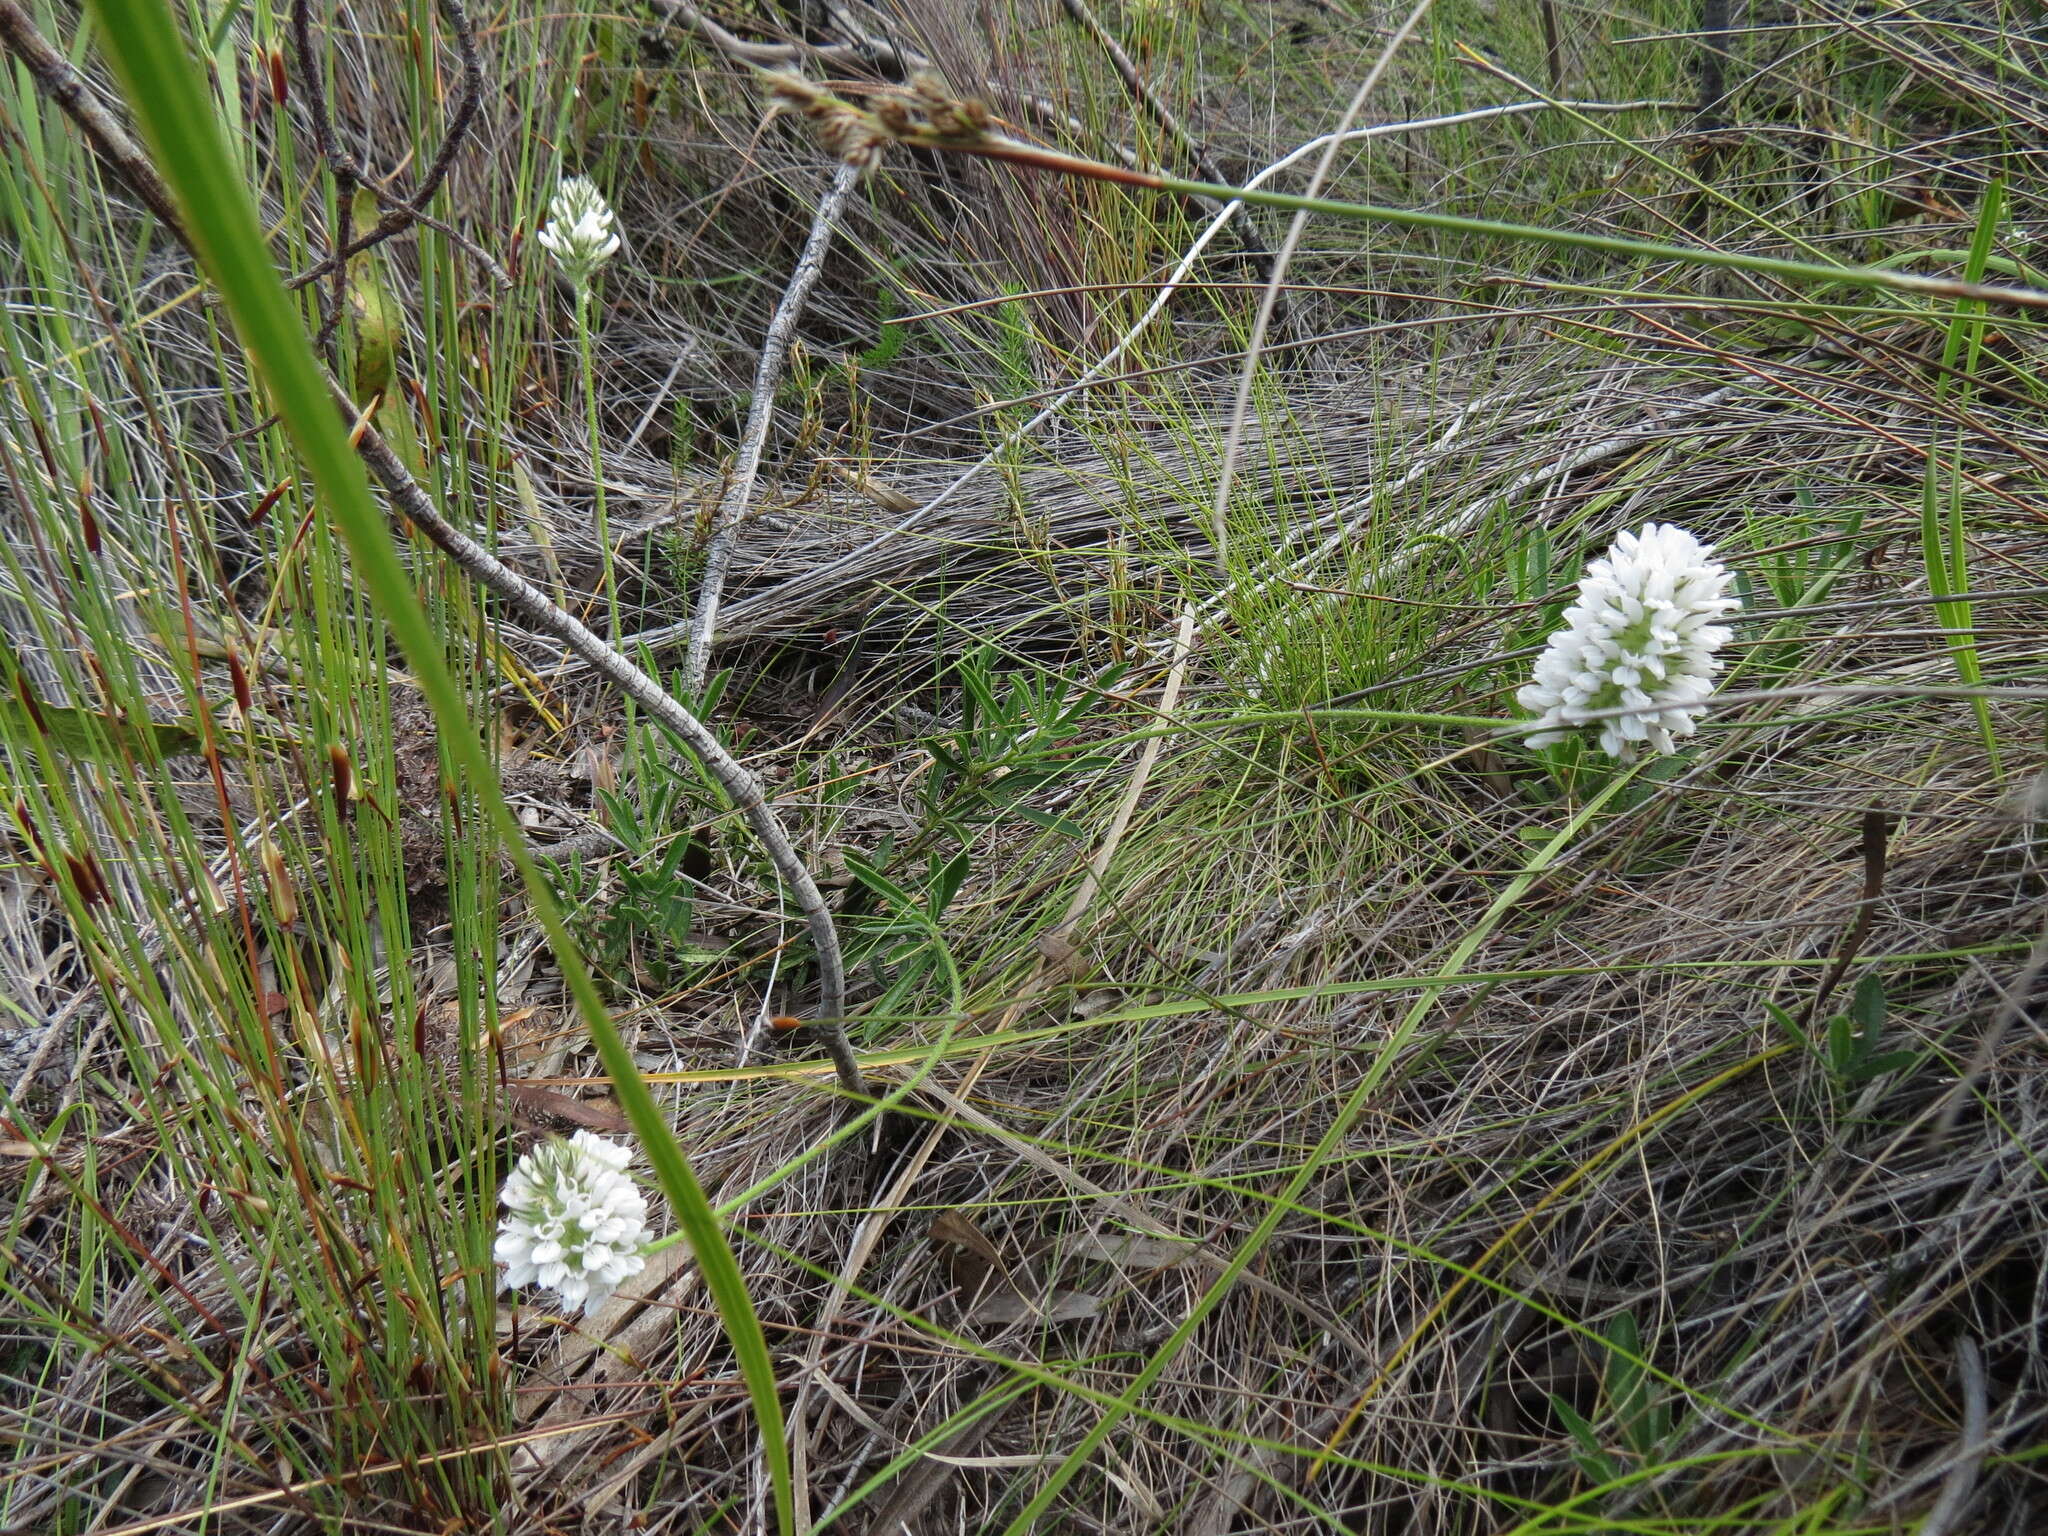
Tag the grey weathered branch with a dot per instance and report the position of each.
(74, 95)
(732, 507)
(536, 609)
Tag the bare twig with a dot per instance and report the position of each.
(401, 209)
(342, 164)
(466, 103)
(534, 608)
(1141, 93)
(1712, 117)
(1877, 828)
(1553, 46)
(760, 415)
(768, 55)
(341, 161)
(73, 94)
(1714, 36)
(1960, 1470)
(1961, 1482)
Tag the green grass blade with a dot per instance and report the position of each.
(1943, 547)
(1866, 277)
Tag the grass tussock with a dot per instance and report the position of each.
(1307, 1106)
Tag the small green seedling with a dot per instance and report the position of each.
(642, 925)
(899, 945)
(1010, 741)
(1640, 1412)
(1532, 571)
(1807, 569)
(1807, 558)
(1850, 1043)
(644, 928)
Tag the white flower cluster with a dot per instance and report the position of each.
(579, 231)
(1641, 638)
(574, 1221)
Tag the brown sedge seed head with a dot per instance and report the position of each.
(947, 115)
(847, 133)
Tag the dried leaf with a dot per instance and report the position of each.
(1007, 1305)
(971, 1259)
(952, 1227)
(1125, 1252)
(543, 1107)
(1092, 1004)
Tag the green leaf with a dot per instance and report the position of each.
(1841, 1047)
(1944, 549)
(878, 882)
(946, 883)
(1889, 1061)
(1592, 1460)
(1791, 1027)
(1050, 822)
(88, 734)
(84, 733)
(892, 333)
(1628, 1387)
(375, 322)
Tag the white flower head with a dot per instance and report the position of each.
(1641, 638)
(579, 231)
(574, 1221)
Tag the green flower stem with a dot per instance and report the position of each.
(586, 354)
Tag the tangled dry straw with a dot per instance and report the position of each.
(1857, 1292)
(886, 551)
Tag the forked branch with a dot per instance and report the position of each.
(402, 210)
